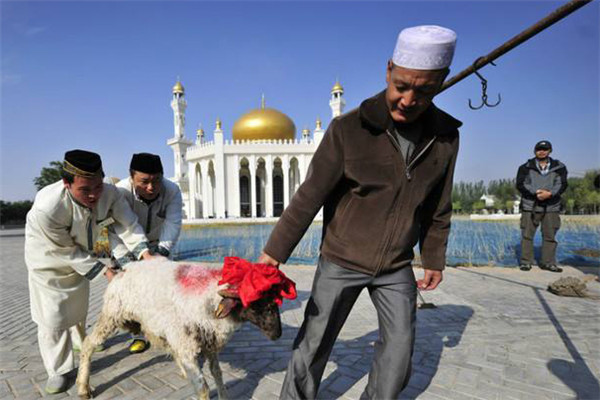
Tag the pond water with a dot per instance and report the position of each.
(470, 243)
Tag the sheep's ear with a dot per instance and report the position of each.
(225, 307)
(229, 293)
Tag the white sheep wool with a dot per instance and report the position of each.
(425, 47)
(58, 248)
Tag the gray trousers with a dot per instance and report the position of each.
(334, 292)
(550, 224)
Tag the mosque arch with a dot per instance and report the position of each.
(211, 190)
(261, 178)
(198, 195)
(294, 174)
(278, 188)
(244, 182)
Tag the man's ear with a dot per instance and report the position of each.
(388, 71)
(443, 76)
(67, 184)
(225, 307)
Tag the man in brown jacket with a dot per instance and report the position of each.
(383, 174)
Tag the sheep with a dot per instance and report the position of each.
(186, 309)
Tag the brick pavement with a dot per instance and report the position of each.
(495, 334)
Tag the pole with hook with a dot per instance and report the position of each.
(528, 33)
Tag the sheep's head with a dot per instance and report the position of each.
(254, 292)
(264, 312)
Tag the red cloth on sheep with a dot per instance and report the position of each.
(253, 281)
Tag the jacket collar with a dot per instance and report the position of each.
(554, 164)
(375, 116)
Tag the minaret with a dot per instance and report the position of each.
(319, 132)
(305, 134)
(179, 143)
(199, 135)
(219, 168)
(337, 102)
(178, 104)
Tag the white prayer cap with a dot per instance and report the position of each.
(425, 47)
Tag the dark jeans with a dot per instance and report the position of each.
(550, 224)
(335, 290)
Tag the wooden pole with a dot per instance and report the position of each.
(528, 33)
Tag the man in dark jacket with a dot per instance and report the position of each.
(383, 174)
(541, 181)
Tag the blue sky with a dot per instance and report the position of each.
(98, 76)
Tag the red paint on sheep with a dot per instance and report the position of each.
(195, 278)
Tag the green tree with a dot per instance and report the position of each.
(456, 206)
(48, 175)
(581, 197)
(467, 193)
(14, 212)
(504, 190)
(478, 206)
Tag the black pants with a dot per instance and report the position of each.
(335, 290)
(550, 222)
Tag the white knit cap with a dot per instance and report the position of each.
(425, 47)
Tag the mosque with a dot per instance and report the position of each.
(255, 174)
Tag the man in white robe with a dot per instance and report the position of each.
(158, 205)
(62, 226)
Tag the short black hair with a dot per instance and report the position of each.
(67, 176)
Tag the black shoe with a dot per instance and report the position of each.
(551, 268)
(525, 267)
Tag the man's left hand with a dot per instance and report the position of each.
(149, 256)
(543, 194)
(431, 280)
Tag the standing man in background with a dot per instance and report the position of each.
(62, 226)
(157, 203)
(541, 181)
(383, 174)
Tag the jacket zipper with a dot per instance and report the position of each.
(408, 177)
(89, 233)
(389, 236)
(414, 160)
(149, 219)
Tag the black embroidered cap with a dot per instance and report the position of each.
(146, 163)
(83, 163)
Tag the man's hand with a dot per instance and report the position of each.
(148, 256)
(431, 280)
(267, 259)
(543, 194)
(110, 274)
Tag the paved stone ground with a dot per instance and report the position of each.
(496, 334)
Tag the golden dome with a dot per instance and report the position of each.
(337, 87)
(178, 88)
(264, 123)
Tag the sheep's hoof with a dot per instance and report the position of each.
(84, 392)
(204, 393)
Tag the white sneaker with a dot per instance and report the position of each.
(56, 384)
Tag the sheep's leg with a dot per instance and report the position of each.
(194, 373)
(105, 326)
(215, 370)
(181, 367)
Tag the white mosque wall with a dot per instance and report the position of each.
(232, 186)
(214, 178)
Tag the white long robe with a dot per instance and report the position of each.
(160, 219)
(59, 238)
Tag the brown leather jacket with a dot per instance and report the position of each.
(376, 208)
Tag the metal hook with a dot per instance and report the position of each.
(484, 101)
